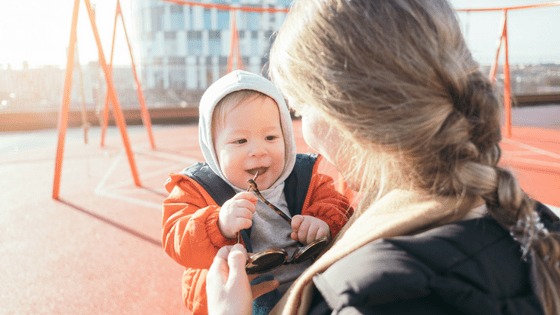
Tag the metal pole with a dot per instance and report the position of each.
(65, 107)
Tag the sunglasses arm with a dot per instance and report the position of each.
(253, 187)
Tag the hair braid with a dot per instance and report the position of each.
(506, 202)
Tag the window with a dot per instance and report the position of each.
(285, 3)
(194, 42)
(170, 35)
(214, 43)
(170, 42)
(223, 20)
(223, 65)
(157, 18)
(177, 78)
(176, 61)
(207, 19)
(158, 79)
(253, 21)
(176, 18)
(254, 49)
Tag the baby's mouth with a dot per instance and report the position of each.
(261, 170)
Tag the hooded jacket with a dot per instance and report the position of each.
(190, 214)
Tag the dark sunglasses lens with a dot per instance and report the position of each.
(265, 262)
(310, 250)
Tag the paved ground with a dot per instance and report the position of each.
(97, 250)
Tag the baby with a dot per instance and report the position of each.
(245, 128)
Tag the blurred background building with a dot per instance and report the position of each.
(185, 48)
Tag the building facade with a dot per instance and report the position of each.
(185, 48)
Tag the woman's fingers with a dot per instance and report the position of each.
(218, 273)
(237, 259)
(227, 286)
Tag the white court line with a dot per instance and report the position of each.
(531, 161)
(101, 192)
(157, 206)
(169, 156)
(531, 148)
(518, 153)
(169, 169)
(184, 160)
(109, 172)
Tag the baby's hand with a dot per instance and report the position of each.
(306, 228)
(237, 214)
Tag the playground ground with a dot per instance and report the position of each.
(97, 250)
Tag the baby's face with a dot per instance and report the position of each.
(251, 140)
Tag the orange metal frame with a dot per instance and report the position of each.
(64, 111)
(234, 45)
(145, 115)
(504, 39)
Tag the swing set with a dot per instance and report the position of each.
(112, 99)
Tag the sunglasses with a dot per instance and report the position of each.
(269, 259)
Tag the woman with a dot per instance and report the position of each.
(390, 94)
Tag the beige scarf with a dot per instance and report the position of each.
(397, 213)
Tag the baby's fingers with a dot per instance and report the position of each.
(323, 231)
(245, 195)
(312, 233)
(296, 223)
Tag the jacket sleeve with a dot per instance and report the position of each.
(190, 233)
(323, 201)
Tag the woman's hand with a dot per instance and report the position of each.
(227, 283)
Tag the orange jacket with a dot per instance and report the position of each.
(192, 238)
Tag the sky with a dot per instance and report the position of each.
(38, 31)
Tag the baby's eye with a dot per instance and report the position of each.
(270, 138)
(239, 141)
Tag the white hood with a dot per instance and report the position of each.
(235, 81)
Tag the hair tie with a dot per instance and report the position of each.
(527, 232)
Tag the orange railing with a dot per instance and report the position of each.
(504, 40)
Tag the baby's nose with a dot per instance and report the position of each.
(258, 150)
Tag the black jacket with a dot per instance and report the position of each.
(469, 267)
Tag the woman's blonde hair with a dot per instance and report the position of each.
(397, 79)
